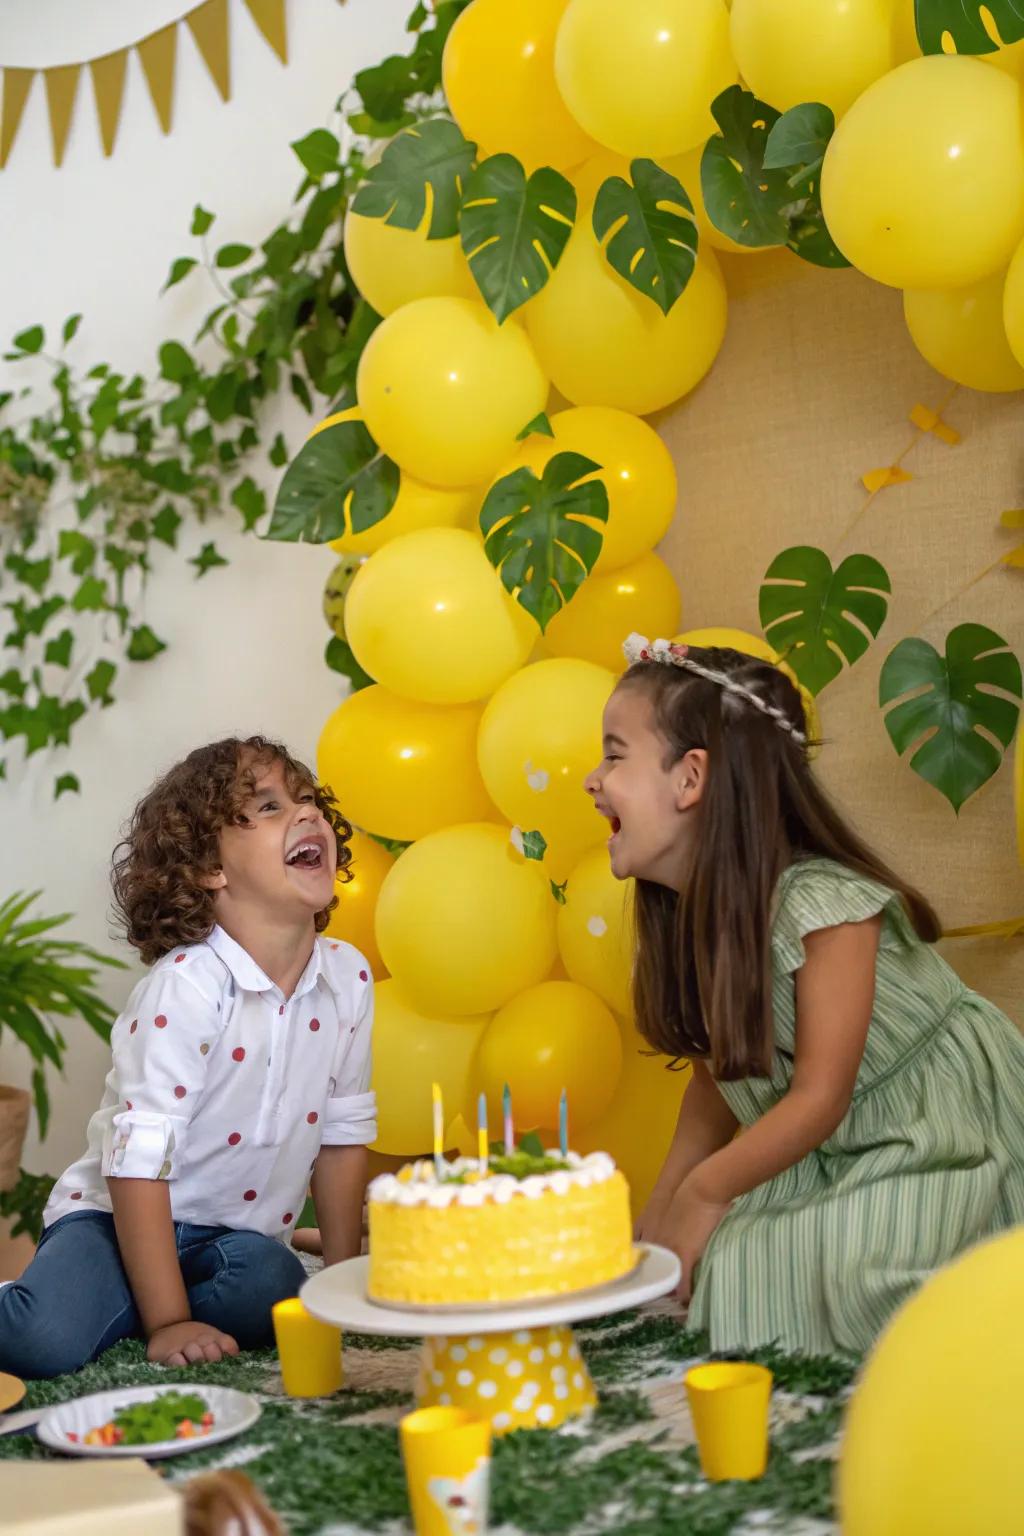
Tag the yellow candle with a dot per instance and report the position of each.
(309, 1351)
(435, 1094)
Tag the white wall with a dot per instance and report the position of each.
(98, 236)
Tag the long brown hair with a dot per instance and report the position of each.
(702, 983)
(172, 841)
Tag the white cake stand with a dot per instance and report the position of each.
(518, 1364)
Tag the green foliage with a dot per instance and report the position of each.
(430, 156)
(958, 728)
(514, 229)
(340, 657)
(653, 241)
(339, 482)
(962, 19)
(819, 619)
(26, 1202)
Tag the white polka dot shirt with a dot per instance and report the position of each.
(227, 1089)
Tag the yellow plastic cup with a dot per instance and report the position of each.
(447, 1455)
(309, 1351)
(729, 1407)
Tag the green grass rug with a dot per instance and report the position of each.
(331, 1467)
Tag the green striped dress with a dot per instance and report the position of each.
(928, 1159)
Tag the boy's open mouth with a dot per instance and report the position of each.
(309, 854)
(615, 824)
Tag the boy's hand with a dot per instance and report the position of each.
(189, 1343)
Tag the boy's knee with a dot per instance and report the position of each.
(35, 1345)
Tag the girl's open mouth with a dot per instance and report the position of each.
(616, 826)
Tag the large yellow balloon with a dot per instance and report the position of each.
(641, 77)
(403, 769)
(539, 738)
(551, 1037)
(411, 1050)
(686, 168)
(446, 390)
(465, 922)
(1013, 304)
(915, 1463)
(353, 917)
(960, 331)
(642, 597)
(792, 51)
(754, 645)
(636, 470)
(499, 81)
(923, 180)
(595, 930)
(392, 266)
(428, 617)
(638, 1126)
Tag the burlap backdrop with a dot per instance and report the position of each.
(813, 388)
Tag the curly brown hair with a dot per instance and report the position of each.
(172, 841)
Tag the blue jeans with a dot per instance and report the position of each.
(74, 1300)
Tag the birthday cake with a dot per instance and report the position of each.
(527, 1227)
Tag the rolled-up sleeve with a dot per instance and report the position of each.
(160, 1047)
(350, 1118)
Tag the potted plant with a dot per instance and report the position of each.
(42, 979)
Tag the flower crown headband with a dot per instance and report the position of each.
(636, 648)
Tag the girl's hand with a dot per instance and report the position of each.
(189, 1343)
(691, 1221)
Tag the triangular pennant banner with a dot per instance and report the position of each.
(17, 84)
(157, 55)
(269, 16)
(61, 90)
(209, 27)
(108, 89)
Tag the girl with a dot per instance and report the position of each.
(240, 1065)
(881, 1103)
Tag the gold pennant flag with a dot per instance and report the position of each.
(269, 16)
(61, 90)
(17, 84)
(209, 27)
(157, 55)
(108, 90)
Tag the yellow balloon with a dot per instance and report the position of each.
(445, 390)
(411, 1050)
(636, 470)
(686, 168)
(540, 736)
(392, 266)
(353, 917)
(792, 51)
(499, 81)
(428, 617)
(904, 32)
(638, 1126)
(551, 1037)
(464, 922)
(641, 77)
(1013, 304)
(960, 331)
(595, 930)
(642, 598)
(754, 645)
(403, 769)
(909, 1466)
(923, 180)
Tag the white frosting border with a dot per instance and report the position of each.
(499, 1188)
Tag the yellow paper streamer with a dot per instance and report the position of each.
(930, 421)
(17, 84)
(157, 56)
(1009, 928)
(269, 16)
(878, 479)
(61, 90)
(209, 27)
(108, 90)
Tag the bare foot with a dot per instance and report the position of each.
(308, 1240)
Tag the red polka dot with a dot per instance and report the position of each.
(128, 1104)
(160, 1021)
(312, 1117)
(234, 1138)
(133, 1026)
(178, 959)
(180, 1092)
(363, 976)
(250, 1194)
(314, 1025)
(76, 1194)
(281, 1009)
(238, 1054)
(287, 1218)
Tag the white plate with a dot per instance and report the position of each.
(232, 1412)
(338, 1296)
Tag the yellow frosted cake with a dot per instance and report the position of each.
(529, 1227)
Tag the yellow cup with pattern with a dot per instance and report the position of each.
(729, 1408)
(447, 1456)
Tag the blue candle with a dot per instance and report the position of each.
(506, 1106)
(563, 1123)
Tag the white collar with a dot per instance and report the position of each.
(248, 974)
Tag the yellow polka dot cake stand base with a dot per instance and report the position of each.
(518, 1364)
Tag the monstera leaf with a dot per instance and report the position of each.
(432, 155)
(797, 145)
(514, 229)
(962, 19)
(538, 531)
(338, 482)
(948, 712)
(818, 618)
(654, 244)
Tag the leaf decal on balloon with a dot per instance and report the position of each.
(539, 534)
(653, 241)
(433, 156)
(963, 20)
(514, 229)
(818, 619)
(948, 712)
(339, 482)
